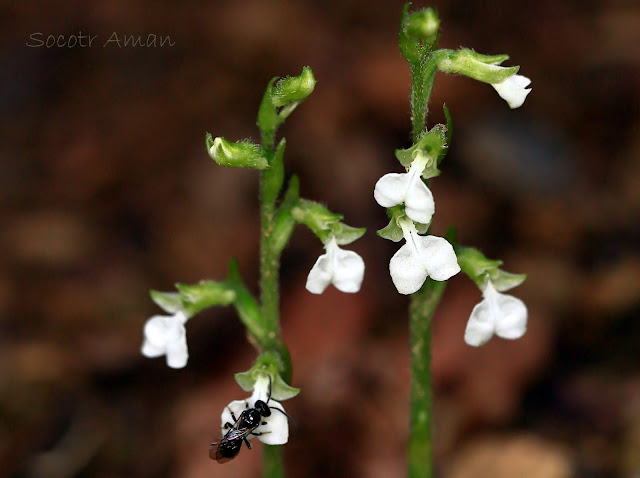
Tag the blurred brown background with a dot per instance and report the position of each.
(107, 191)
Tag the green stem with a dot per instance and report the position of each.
(423, 305)
(272, 463)
(273, 466)
(423, 75)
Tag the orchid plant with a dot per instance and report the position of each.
(281, 208)
(419, 268)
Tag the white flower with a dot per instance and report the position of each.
(408, 188)
(343, 269)
(419, 258)
(513, 90)
(276, 429)
(500, 314)
(166, 335)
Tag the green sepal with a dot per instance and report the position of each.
(504, 281)
(268, 120)
(480, 269)
(246, 305)
(284, 221)
(168, 301)
(429, 147)
(324, 223)
(293, 89)
(242, 154)
(479, 67)
(346, 234)
(267, 364)
(274, 175)
(393, 230)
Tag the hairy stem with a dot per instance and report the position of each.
(423, 305)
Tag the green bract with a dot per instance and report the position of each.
(423, 25)
(479, 67)
(324, 223)
(242, 154)
(191, 299)
(431, 146)
(293, 89)
(480, 269)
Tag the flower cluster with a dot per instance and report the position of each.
(421, 256)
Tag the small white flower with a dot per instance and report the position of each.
(166, 335)
(513, 90)
(500, 314)
(408, 188)
(343, 269)
(419, 258)
(276, 430)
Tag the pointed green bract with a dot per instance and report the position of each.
(242, 154)
(324, 223)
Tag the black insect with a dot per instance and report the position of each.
(228, 447)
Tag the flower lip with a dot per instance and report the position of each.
(421, 257)
(501, 314)
(344, 269)
(513, 90)
(166, 335)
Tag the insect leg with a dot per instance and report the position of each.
(247, 443)
(228, 425)
(232, 414)
(257, 434)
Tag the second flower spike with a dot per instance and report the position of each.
(343, 269)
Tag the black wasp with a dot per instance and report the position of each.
(228, 447)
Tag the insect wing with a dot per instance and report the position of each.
(223, 451)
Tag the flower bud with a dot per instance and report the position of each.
(423, 25)
(293, 89)
(239, 155)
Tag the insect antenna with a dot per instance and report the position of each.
(285, 414)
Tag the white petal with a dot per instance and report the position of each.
(237, 407)
(438, 257)
(480, 327)
(150, 350)
(419, 200)
(177, 351)
(157, 330)
(320, 275)
(276, 431)
(348, 272)
(407, 270)
(391, 189)
(512, 323)
(513, 90)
